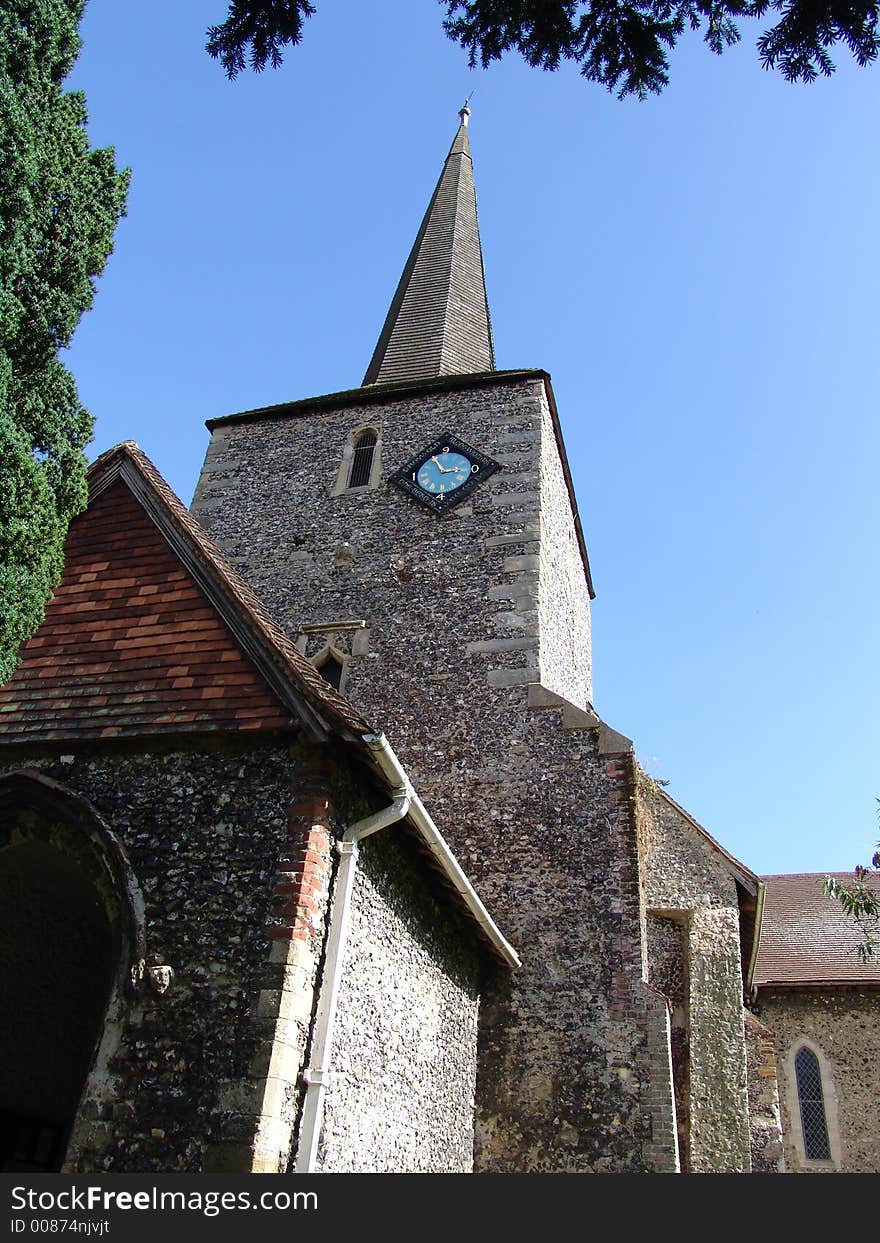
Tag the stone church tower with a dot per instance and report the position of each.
(270, 856)
(419, 538)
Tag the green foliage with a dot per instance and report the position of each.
(861, 902)
(59, 205)
(622, 44)
(266, 27)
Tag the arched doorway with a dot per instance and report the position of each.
(65, 946)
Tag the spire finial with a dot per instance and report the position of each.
(464, 111)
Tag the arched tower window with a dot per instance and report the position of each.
(330, 666)
(360, 464)
(362, 459)
(812, 1105)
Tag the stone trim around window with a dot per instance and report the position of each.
(348, 465)
(829, 1097)
(335, 662)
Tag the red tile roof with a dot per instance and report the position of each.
(150, 631)
(806, 937)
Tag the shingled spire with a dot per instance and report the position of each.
(438, 323)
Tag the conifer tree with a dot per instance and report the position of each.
(622, 44)
(59, 205)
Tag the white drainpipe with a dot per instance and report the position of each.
(406, 802)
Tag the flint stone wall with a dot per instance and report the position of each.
(405, 1050)
(541, 821)
(203, 831)
(668, 969)
(686, 878)
(764, 1116)
(841, 1026)
(485, 595)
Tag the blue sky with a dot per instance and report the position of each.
(699, 274)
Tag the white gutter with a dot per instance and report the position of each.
(406, 803)
(391, 768)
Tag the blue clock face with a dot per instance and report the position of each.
(444, 471)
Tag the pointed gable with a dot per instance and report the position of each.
(150, 632)
(438, 323)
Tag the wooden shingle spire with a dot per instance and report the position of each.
(438, 323)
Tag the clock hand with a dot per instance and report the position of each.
(445, 470)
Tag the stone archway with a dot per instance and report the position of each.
(69, 933)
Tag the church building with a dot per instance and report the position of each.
(316, 849)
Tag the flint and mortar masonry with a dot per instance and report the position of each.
(522, 800)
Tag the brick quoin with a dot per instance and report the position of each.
(305, 863)
(284, 932)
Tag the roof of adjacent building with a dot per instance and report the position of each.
(806, 937)
(438, 322)
(152, 632)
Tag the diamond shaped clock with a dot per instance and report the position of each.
(444, 473)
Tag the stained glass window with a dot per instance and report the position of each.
(812, 1103)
